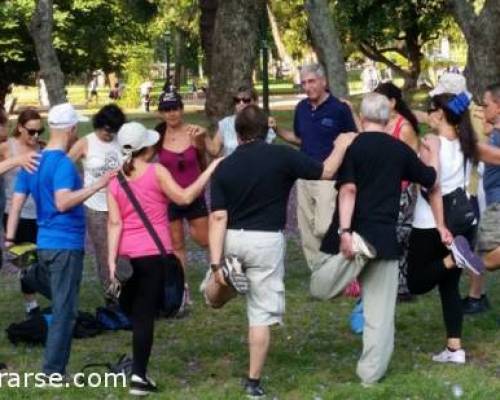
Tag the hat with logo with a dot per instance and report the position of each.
(63, 116)
(450, 82)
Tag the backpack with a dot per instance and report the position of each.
(112, 318)
(34, 329)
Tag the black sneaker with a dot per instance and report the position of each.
(471, 305)
(141, 386)
(33, 312)
(486, 302)
(253, 389)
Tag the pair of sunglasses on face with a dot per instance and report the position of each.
(33, 132)
(245, 100)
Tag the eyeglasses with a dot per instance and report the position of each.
(33, 132)
(245, 100)
(181, 162)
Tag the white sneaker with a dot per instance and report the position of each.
(447, 356)
(362, 247)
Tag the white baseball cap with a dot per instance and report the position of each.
(63, 116)
(134, 136)
(450, 82)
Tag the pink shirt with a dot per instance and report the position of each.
(135, 240)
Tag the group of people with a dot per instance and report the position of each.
(372, 207)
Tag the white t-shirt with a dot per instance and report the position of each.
(452, 175)
(230, 137)
(101, 158)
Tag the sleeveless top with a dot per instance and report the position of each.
(29, 209)
(135, 240)
(183, 166)
(397, 134)
(101, 157)
(452, 175)
(229, 136)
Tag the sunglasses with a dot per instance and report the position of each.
(33, 132)
(430, 110)
(245, 100)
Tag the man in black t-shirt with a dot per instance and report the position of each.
(361, 241)
(249, 193)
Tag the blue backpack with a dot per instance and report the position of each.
(112, 318)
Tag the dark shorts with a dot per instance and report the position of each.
(27, 230)
(197, 209)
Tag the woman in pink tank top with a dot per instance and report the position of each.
(182, 151)
(403, 125)
(155, 188)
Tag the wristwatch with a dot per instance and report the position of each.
(214, 267)
(341, 231)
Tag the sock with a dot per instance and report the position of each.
(254, 382)
(30, 305)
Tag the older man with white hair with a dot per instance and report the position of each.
(361, 241)
(318, 121)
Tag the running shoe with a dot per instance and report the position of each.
(141, 386)
(234, 274)
(22, 255)
(447, 356)
(253, 389)
(465, 257)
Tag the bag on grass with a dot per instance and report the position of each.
(113, 318)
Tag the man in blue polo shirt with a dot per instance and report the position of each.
(318, 120)
(58, 193)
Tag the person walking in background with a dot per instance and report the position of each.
(318, 120)
(225, 138)
(154, 187)
(58, 193)
(24, 140)
(181, 149)
(100, 153)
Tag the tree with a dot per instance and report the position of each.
(235, 44)
(392, 32)
(17, 54)
(482, 32)
(207, 25)
(327, 45)
(50, 70)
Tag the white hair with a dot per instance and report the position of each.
(315, 69)
(376, 108)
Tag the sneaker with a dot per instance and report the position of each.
(486, 302)
(141, 386)
(362, 247)
(33, 312)
(465, 257)
(253, 390)
(22, 255)
(471, 305)
(234, 274)
(447, 356)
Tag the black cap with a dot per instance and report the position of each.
(170, 101)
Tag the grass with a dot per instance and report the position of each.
(312, 357)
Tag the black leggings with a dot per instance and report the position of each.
(141, 298)
(426, 270)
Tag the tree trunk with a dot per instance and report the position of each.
(414, 56)
(207, 24)
(50, 70)
(326, 42)
(178, 57)
(482, 33)
(235, 47)
(280, 46)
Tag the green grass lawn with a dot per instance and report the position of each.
(312, 357)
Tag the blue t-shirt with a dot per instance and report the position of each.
(56, 230)
(318, 128)
(491, 177)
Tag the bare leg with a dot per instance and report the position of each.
(259, 339)
(492, 259)
(198, 229)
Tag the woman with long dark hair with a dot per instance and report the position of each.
(430, 263)
(403, 125)
(154, 187)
